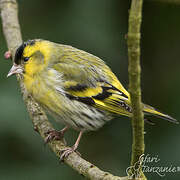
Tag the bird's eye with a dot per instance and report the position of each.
(26, 59)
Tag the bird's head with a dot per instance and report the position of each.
(30, 57)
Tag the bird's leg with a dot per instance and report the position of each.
(55, 135)
(65, 152)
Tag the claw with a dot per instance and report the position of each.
(55, 135)
(68, 150)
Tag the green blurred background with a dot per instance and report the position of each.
(98, 27)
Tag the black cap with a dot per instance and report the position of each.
(20, 49)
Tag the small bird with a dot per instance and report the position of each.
(77, 88)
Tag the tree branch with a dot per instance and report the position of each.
(41, 124)
(135, 16)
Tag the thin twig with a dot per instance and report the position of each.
(41, 124)
(135, 17)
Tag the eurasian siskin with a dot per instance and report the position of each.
(77, 88)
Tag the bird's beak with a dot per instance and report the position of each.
(16, 69)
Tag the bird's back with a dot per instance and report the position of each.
(80, 89)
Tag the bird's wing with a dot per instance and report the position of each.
(89, 80)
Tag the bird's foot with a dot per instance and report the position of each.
(56, 135)
(53, 135)
(67, 151)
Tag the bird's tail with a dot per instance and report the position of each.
(149, 110)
